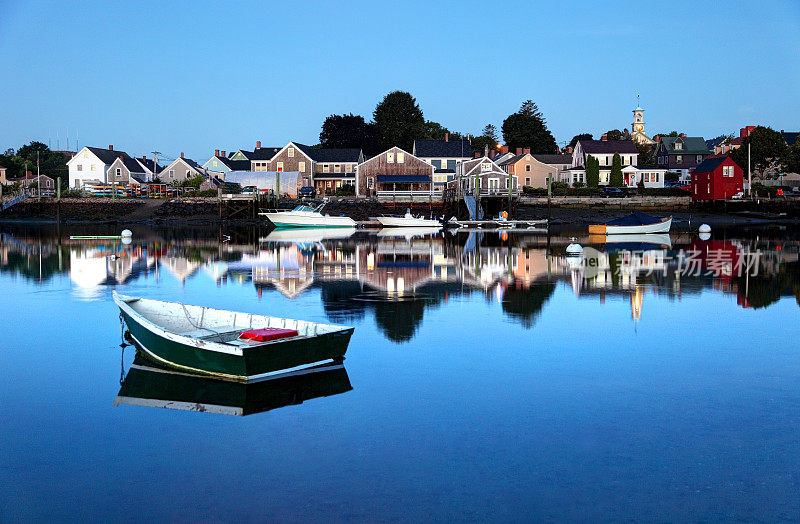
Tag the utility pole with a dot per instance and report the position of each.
(155, 161)
(749, 176)
(38, 177)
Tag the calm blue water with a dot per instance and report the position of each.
(489, 381)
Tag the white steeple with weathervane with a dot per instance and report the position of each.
(637, 127)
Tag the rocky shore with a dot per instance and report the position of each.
(571, 211)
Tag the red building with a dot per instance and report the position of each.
(717, 178)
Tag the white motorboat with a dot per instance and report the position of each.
(308, 235)
(408, 220)
(409, 232)
(307, 216)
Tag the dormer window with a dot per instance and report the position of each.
(678, 146)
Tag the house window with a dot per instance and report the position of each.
(326, 168)
(370, 183)
(656, 177)
(280, 166)
(699, 158)
(486, 167)
(301, 166)
(337, 168)
(401, 158)
(727, 171)
(527, 181)
(647, 177)
(86, 155)
(390, 158)
(94, 167)
(678, 159)
(527, 167)
(80, 167)
(678, 146)
(119, 172)
(291, 152)
(172, 173)
(215, 163)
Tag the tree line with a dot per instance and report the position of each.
(51, 163)
(398, 120)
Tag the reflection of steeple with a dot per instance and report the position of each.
(637, 297)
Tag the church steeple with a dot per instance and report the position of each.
(637, 127)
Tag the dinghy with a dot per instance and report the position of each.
(228, 345)
(635, 223)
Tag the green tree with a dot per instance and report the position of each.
(348, 131)
(791, 159)
(527, 128)
(398, 121)
(646, 155)
(614, 134)
(436, 131)
(615, 178)
(582, 136)
(490, 131)
(592, 171)
(767, 150)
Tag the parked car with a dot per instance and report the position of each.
(307, 192)
(249, 190)
(610, 191)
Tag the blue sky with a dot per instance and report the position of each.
(197, 76)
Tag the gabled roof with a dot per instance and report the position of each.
(607, 147)
(443, 148)
(710, 164)
(514, 159)
(262, 153)
(711, 143)
(330, 155)
(554, 159)
(791, 138)
(149, 164)
(132, 165)
(107, 156)
(692, 145)
(189, 162)
(233, 165)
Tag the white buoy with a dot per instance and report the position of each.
(574, 249)
(704, 228)
(126, 233)
(126, 240)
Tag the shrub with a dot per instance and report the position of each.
(346, 190)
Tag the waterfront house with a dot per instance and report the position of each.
(125, 171)
(680, 154)
(180, 170)
(604, 150)
(443, 155)
(90, 166)
(534, 170)
(394, 173)
(325, 169)
(220, 165)
(717, 178)
(490, 178)
(42, 181)
(259, 158)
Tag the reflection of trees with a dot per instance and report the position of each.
(28, 264)
(399, 320)
(764, 290)
(339, 300)
(524, 305)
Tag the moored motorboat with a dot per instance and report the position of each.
(227, 344)
(407, 220)
(152, 385)
(635, 223)
(307, 216)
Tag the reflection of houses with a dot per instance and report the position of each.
(285, 267)
(180, 267)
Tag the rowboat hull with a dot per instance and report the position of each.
(289, 219)
(151, 385)
(658, 227)
(408, 222)
(229, 362)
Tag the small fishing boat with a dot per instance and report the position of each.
(152, 385)
(635, 223)
(235, 346)
(407, 220)
(307, 216)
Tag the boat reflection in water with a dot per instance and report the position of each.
(148, 384)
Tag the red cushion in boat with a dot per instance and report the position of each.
(265, 335)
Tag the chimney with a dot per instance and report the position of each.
(223, 153)
(477, 154)
(216, 152)
(258, 144)
(181, 154)
(604, 138)
(781, 131)
(111, 147)
(491, 154)
(683, 135)
(504, 149)
(527, 151)
(447, 137)
(519, 150)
